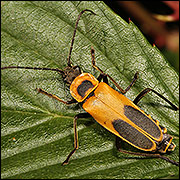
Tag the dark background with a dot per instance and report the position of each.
(163, 31)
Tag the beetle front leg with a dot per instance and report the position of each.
(104, 77)
(81, 115)
(115, 83)
(55, 97)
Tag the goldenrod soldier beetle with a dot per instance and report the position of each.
(112, 109)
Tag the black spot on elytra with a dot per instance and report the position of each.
(131, 134)
(142, 121)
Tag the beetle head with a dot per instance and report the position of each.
(70, 73)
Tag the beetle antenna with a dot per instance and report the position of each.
(72, 41)
(34, 68)
(69, 56)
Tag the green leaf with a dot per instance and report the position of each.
(37, 131)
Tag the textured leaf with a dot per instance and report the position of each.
(36, 131)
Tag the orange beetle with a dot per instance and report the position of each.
(120, 115)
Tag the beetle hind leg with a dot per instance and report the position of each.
(147, 90)
(143, 154)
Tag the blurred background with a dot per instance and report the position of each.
(157, 20)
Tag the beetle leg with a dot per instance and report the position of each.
(55, 97)
(144, 154)
(104, 77)
(81, 115)
(145, 91)
(115, 83)
(100, 77)
(132, 82)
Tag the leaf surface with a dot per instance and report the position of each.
(36, 131)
